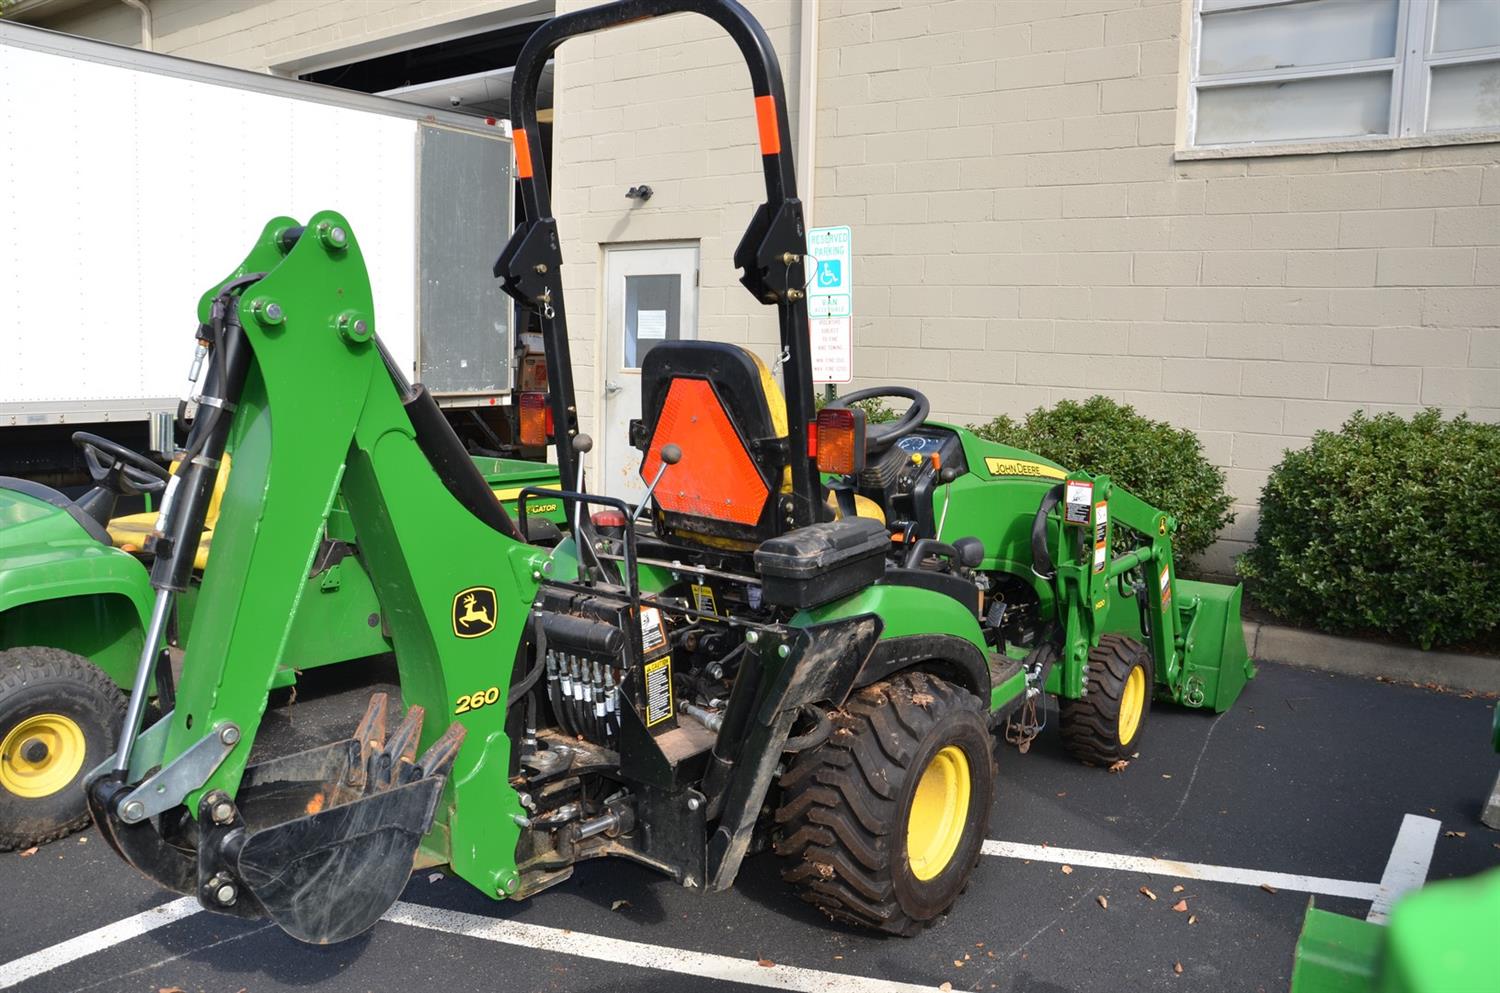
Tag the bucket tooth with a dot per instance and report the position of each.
(440, 755)
(398, 752)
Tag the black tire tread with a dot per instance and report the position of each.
(1088, 724)
(22, 667)
(838, 803)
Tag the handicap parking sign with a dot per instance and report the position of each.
(830, 273)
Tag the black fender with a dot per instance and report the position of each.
(953, 658)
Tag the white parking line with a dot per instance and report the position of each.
(1407, 868)
(19, 970)
(1184, 870)
(641, 955)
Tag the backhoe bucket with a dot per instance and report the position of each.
(321, 842)
(1217, 664)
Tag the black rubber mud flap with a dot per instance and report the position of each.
(821, 665)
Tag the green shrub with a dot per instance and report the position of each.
(1162, 465)
(1388, 526)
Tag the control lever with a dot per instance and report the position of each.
(946, 475)
(670, 455)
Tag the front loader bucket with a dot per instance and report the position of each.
(1216, 662)
(321, 842)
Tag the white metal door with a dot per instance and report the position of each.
(650, 295)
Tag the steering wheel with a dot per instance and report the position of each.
(119, 469)
(880, 437)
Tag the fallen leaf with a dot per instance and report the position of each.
(922, 699)
(170, 989)
(1177, 889)
(1177, 968)
(989, 954)
(1446, 834)
(1119, 766)
(1103, 901)
(838, 958)
(966, 957)
(84, 840)
(1146, 892)
(958, 963)
(1260, 727)
(1166, 775)
(978, 944)
(619, 904)
(1180, 906)
(29, 852)
(765, 963)
(946, 988)
(1192, 918)
(1067, 870)
(1268, 887)
(1063, 793)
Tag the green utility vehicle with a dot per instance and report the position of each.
(75, 603)
(804, 636)
(1439, 939)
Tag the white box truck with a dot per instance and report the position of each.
(131, 181)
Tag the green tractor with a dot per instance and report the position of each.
(805, 636)
(75, 602)
(1439, 939)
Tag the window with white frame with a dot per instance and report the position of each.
(1299, 71)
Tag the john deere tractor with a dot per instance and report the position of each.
(805, 637)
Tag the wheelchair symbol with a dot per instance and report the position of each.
(830, 273)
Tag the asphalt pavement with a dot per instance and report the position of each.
(1311, 776)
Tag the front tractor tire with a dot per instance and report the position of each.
(882, 824)
(59, 717)
(1105, 725)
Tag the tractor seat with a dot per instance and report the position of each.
(719, 403)
(128, 532)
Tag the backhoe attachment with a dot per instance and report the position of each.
(321, 842)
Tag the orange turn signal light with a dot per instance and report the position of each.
(534, 419)
(841, 440)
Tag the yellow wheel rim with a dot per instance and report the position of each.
(939, 811)
(1132, 704)
(41, 755)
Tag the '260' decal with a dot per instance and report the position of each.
(477, 699)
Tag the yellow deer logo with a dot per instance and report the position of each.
(474, 612)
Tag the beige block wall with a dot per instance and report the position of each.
(1023, 234)
(1022, 229)
(666, 103)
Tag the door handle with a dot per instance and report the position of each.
(611, 388)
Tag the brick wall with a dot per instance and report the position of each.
(666, 103)
(1023, 231)
(1023, 234)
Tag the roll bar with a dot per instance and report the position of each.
(771, 252)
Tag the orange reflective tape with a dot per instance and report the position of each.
(523, 153)
(765, 118)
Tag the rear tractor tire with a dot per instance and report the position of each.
(1106, 723)
(883, 823)
(59, 717)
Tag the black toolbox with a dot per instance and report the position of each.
(822, 563)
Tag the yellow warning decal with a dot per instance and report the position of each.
(703, 599)
(658, 690)
(1017, 467)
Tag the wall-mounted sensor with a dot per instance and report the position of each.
(641, 193)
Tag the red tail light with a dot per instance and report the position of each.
(536, 419)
